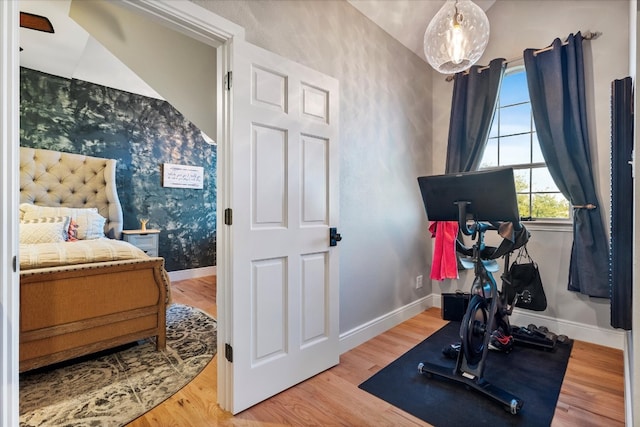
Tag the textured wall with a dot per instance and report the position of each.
(385, 129)
(141, 133)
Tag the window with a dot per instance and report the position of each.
(513, 142)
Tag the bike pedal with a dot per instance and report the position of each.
(451, 351)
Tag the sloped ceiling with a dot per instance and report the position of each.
(70, 52)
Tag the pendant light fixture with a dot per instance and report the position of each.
(456, 37)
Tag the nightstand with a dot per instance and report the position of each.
(147, 240)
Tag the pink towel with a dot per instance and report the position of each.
(445, 262)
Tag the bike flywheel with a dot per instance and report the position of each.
(473, 329)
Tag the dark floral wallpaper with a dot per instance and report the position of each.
(141, 134)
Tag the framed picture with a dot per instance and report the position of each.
(182, 176)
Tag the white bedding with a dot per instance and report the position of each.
(41, 255)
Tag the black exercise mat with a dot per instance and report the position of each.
(533, 375)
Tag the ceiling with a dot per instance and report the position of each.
(406, 20)
(71, 53)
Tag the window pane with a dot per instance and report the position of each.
(514, 88)
(541, 180)
(490, 156)
(513, 141)
(515, 150)
(536, 155)
(523, 205)
(552, 205)
(515, 119)
(522, 178)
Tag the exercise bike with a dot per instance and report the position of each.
(479, 201)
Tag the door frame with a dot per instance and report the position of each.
(9, 183)
(194, 21)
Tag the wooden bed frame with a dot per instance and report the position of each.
(71, 311)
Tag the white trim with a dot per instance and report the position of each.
(628, 375)
(363, 333)
(592, 334)
(189, 19)
(549, 225)
(224, 162)
(192, 273)
(9, 280)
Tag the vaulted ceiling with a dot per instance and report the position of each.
(70, 52)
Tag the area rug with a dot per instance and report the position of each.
(533, 375)
(113, 388)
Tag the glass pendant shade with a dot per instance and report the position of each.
(456, 37)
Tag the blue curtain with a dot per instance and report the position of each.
(472, 108)
(557, 89)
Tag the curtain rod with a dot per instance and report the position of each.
(589, 35)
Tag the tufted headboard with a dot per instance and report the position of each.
(53, 178)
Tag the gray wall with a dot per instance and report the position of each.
(141, 133)
(531, 24)
(385, 129)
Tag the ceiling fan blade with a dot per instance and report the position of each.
(35, 22)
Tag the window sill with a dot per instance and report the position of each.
(565, 226)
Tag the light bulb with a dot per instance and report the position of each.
(456, 51)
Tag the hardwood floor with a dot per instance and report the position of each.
(592, 392)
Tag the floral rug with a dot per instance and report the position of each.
(114, 388)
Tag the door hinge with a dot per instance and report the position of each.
(15, 264)
(334, 236)
(228, 352)
(228, 216)
(228, 80)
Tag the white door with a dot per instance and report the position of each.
(283, 286)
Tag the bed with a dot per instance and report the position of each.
(83, 292)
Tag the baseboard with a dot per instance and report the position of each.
(574, 330)
(360, 334)
(192, 273)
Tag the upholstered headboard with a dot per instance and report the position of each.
(53, 178)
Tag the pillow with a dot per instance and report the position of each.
(65, 220)
(42, 232)
(90, 222)
(72, 233)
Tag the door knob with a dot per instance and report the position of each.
(334, 236)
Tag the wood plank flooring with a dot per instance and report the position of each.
(592, 392)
